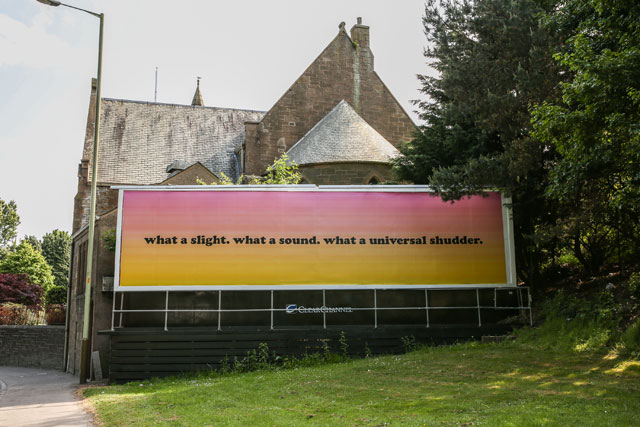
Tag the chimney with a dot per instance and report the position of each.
(360, 34)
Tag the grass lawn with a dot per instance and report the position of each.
(507, 384)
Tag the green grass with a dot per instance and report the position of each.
(508, 384)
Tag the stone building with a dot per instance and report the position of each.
(338, 122)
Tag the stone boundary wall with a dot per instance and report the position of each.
(32, 346)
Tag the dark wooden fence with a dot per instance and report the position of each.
(139, 353)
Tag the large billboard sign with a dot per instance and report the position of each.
(308, 237)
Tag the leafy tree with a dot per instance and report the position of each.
(17, 289)
(9, 221)
(282, 171)
(34, 242)
(595, 127)
(493, 60)
(26, 260)
(56, 249)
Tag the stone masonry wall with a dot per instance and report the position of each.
(32, 346)
(346, 173)
(344, 70)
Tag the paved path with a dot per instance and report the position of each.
(38, 398)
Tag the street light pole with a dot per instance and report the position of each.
(84, 357)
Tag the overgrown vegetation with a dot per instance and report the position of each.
(540, 100)
(282, 171)
(535, 380)
(32, 272)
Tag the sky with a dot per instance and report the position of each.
(247, 52)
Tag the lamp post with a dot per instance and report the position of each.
(84, 358)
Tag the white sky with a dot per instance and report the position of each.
(248, 52)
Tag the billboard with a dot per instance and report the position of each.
(308, 237)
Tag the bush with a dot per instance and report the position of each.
(634, 285)
(55, 314)
(631, 337)
(18, 289)
(26, 260)
(18, 314)
(56, 295)
(576, 324)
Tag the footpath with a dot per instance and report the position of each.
(39, 398)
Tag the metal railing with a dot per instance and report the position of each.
(523, 304)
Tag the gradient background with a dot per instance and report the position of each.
(305, 214)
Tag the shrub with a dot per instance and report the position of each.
(109, 240)
(18, 314)
(26, 260)
(55, 314)
(18, 289)
(56, 295)
(634, 285)
(631, 337)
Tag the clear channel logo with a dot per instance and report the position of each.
(294, 308)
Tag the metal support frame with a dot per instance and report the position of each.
(426, 304)
(375, 308)
(521, 306)
(324, 303)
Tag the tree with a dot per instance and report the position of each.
(26, 260)
(56, 249)
(9, 221)
(34, 242)
(282, 171)
(595, 127)
(494, 61)
(17, 289)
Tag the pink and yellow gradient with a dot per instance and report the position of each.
(301, 214)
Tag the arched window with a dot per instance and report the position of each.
(373, 181)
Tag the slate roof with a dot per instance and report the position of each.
(138, 140)
(342, 136)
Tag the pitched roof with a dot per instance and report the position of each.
(138, 140)
(342, 136)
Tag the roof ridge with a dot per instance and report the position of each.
(168, 104)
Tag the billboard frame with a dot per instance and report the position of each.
(507, 224)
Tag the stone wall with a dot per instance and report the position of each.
(346, 173)
(344, 70)
(32, 346)
(102, 294)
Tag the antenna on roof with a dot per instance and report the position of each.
(155, 95)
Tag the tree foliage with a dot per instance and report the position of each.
(595, 128)
(493, 60)
(9, 221)
(17, 289)
(33, 241)
(26, 260)
(282, 171)
(56, 249)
